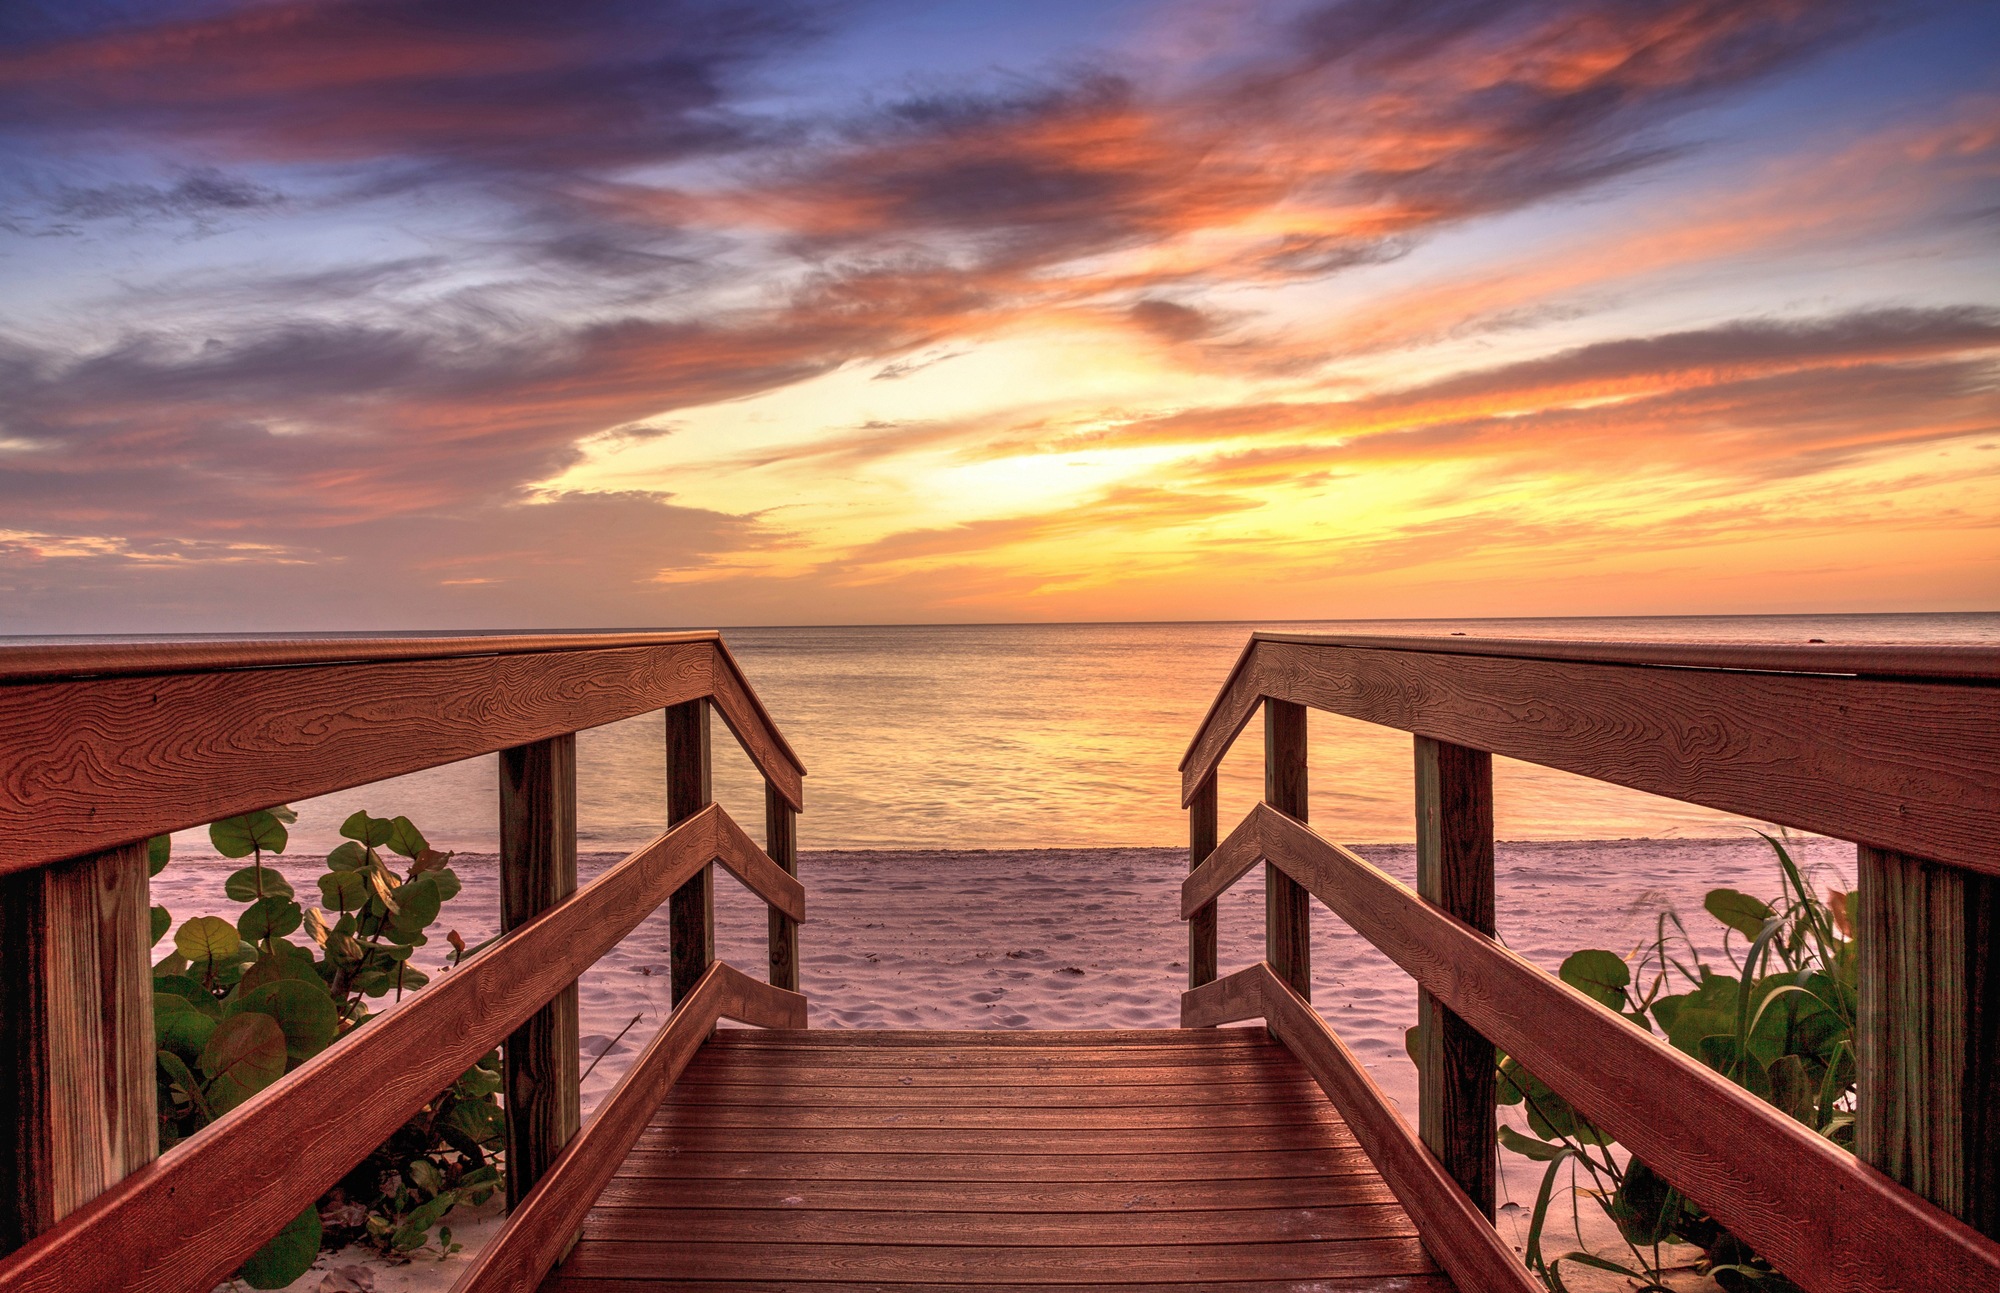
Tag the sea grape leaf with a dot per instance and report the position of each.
(179, 1026)
(1549, 1115)
(425, 1176)
(159, 850)
(245, 1054)
(416, 1226)
(406, 839)
(287, 962)
(417, 904)
(1739, 911)
(1528, 1147)
(1647, 1209)
(477, 1121)
(206, 939)
(348, 857)
(243, 886)
(239, 837)
(162, 921)
(303, 1010)
(287, 1255)
(447, 883)
(1599, 975)
(373, 832)
(343, 890)
(268, 918)
(180, 985)
(1792, 1089)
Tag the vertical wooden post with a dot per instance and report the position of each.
(781, 842)
(691, 911)
(1455, 1077)
(1927, 1041)
(1202, 839)
(1287, 909)
(76, 1036)
(538, 871)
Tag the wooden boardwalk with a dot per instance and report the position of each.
(1139, 1159)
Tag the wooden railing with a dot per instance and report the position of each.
(102, 747)
(1896, 749)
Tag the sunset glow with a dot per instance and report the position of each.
(350, 313)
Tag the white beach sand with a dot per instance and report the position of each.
(1075, 938)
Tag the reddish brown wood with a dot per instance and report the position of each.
(755, 732)
(76, 1033)
(1229, 862)
(1228, 1000)
(691, 914)
(541, 1229)
(781, 842)
(1682, 1118)
(741, 857)
(1202, 931)
(950, 1228)
(562, 1282)
(184, 1221)
(1309, 1191)
(1455, 1231)
(1455, 1073)
(537, 872)
(1902, 765)
(1287, 908)
(107, 761)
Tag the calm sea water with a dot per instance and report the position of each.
(1016, 736)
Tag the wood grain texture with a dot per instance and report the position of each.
(1229, 862)
(781, 843)
(1287, 907)
(1202, 929)
(1228, 1000)
(1928, 1094)
(1769, 1179)
(185, 1220)
(751, 724)
(691, 911)
(1905, 765)
(1457, 1234)
(788, 1192)
(76, 1028)
(1160, 1097)
(1228, 714)
(540, 1230)
(537, 872)
(101, 762)
(1455, 1073)
(740, 856)
(561, 1283)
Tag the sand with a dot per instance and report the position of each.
(1068, 938)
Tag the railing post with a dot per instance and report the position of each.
(691, 911)
(76, 1036)
(1455, 1077)
(538, 871)
(1203, 834)
(1927, 1039)
(1287, 909)
(781, 842)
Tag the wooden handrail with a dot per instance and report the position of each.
(1453, 1231)
(1908, 764)
(1818, 1213)
(186, 1220)
(123, 741)
(541, 1228)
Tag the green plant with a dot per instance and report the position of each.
(236, 1005)
(1779, 1022)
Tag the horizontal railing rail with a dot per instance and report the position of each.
(111, 744)
(1897, 749)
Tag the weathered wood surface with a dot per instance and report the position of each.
(1455, 1074)
(537, 872)
(691, 911)
(185, 1220)
(1908, 765)
(751, 724)
(1287, 907)
(1821, 1215)
(1228, 1000)
(1080, 1196)
(1202, 929)
(540, 1230)
(1929, 1068)
(781, 844)
(560, 1283)
(76, 1037)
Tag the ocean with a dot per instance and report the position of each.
(1063, 735)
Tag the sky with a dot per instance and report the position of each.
(391, 314)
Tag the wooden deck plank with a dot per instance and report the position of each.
(642, 1283)
(1135, 1160)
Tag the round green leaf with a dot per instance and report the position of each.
(1739, 911)
(239, 837)
(158, 850)
(348, 857)
(371, 831)
(178, 1026)
(406, 839)
(303, 1010)
(285, 962)
(162, 921)
(206, 939)
(1599, 975)
(269, 918)
(180, 985)
(243, 886)
(245, 1054)
(344, 890)
(447, 883)
(288, 1255)
(418, 904)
